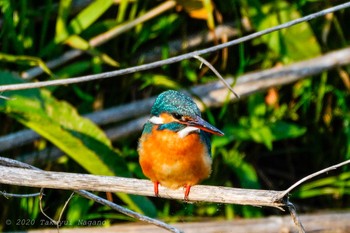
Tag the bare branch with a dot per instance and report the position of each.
(295, 217)
(314, 175)
(4, 97)
(212, 94)
(8, 195)
(102, 38)
(216, 73)
(12, 172)
(73, 181)
(172, 59)
(16, 164)
(17, 173)
(42, 210)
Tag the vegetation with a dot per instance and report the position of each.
(271, 139)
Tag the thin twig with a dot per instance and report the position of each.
(295, 217)
(4, 97)
(102, 38)
(212, 94)
(64, 207)
(42, 210)
(172, 59)
(312, 176)
(8, 195)
(216, 73)
(128, 212)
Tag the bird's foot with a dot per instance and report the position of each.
(187, 191)
(155, 187)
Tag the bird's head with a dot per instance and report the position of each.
(176, 111)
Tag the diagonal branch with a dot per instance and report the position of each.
(217, 74)
(172, 59)
(212, 94)
(309, 177)
(102, 38)
(10, 163)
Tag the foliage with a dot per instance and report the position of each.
(271, 139)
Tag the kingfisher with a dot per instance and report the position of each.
(175, 148)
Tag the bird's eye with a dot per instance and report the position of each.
(177, 116)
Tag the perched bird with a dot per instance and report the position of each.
(175, 148)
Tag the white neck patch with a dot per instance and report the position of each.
(184, 132)
(156, 120)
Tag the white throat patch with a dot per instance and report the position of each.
(184, 132)
(156, 120)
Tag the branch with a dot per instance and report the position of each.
(212, 95)
(16, 173)
(102, 38)
(19, 165)
(312, 176)
(172, 59)
(8, 195)
(295, 217)
(73, 181)
(217, 74)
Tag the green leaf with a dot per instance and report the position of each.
(27, 60)
(245, 171)
(334, 185)
(122, 10)
(263, 135)
(83, 20)
(78, 137)
(283, 130)
(158, 80)
(294, 43)
(62, 18)
(81, 44)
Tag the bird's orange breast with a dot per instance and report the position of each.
(173, 161)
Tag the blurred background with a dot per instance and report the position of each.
(273, 137)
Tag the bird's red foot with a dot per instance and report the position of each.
(187, 191)
(155, 187)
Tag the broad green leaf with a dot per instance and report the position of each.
(159, 80)
(84, 19)
(263, 135)
(163, 27)
(78, 137)
(294, 43)
(81, 44)
(245, 171)
(61, 124)
(283, 130)
(62, 17)
(74, 69)
(261, 132)
(122, 10)
(28, 60)
(334, 185)
(256, 106)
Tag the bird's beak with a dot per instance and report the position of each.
(199, 123)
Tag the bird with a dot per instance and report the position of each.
(175, 148)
